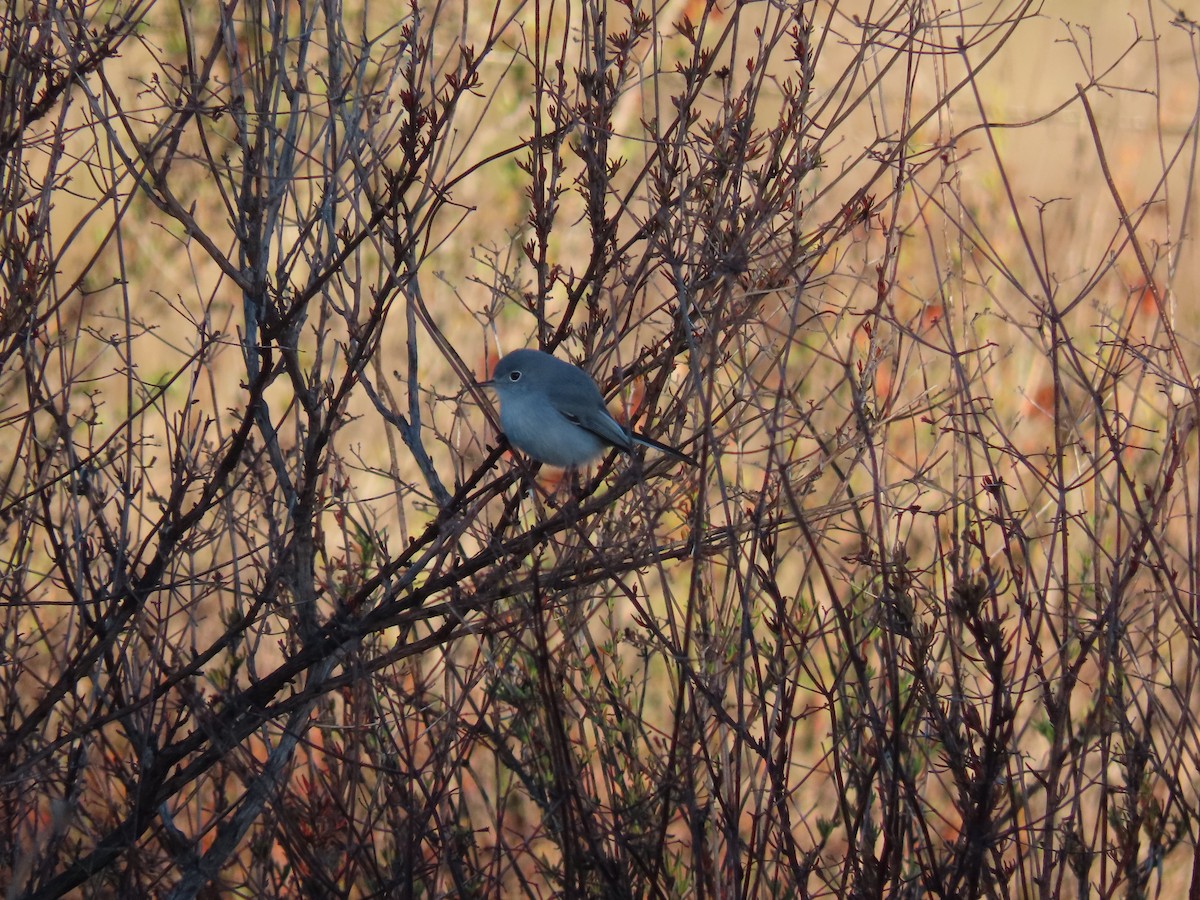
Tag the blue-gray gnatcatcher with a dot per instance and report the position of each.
(553, 411)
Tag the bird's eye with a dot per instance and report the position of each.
(514, 376)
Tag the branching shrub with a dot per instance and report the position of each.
(282, 615)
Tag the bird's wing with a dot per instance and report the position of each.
(583, 404)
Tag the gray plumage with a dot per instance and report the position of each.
(553, 411)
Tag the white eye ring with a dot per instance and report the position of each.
(514, 376)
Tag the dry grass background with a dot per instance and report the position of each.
(282, 618)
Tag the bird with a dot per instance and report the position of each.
(553, 411)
